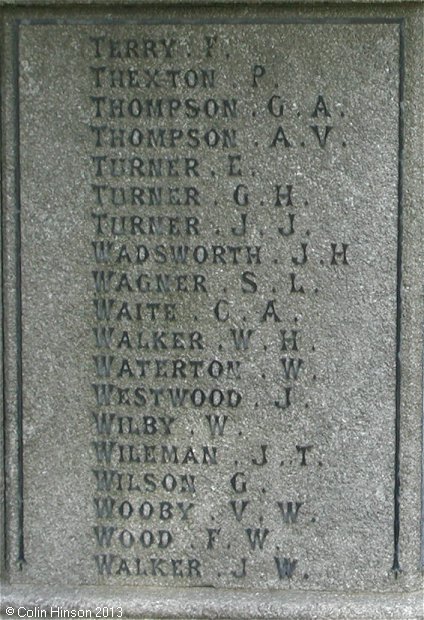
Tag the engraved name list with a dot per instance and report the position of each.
(233, 280)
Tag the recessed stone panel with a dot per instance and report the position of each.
(207, 259)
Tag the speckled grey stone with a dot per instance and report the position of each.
(283, 134)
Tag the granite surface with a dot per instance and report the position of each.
(212, 295)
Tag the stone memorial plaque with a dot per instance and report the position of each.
(204, 281)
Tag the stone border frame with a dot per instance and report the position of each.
(154, 603)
